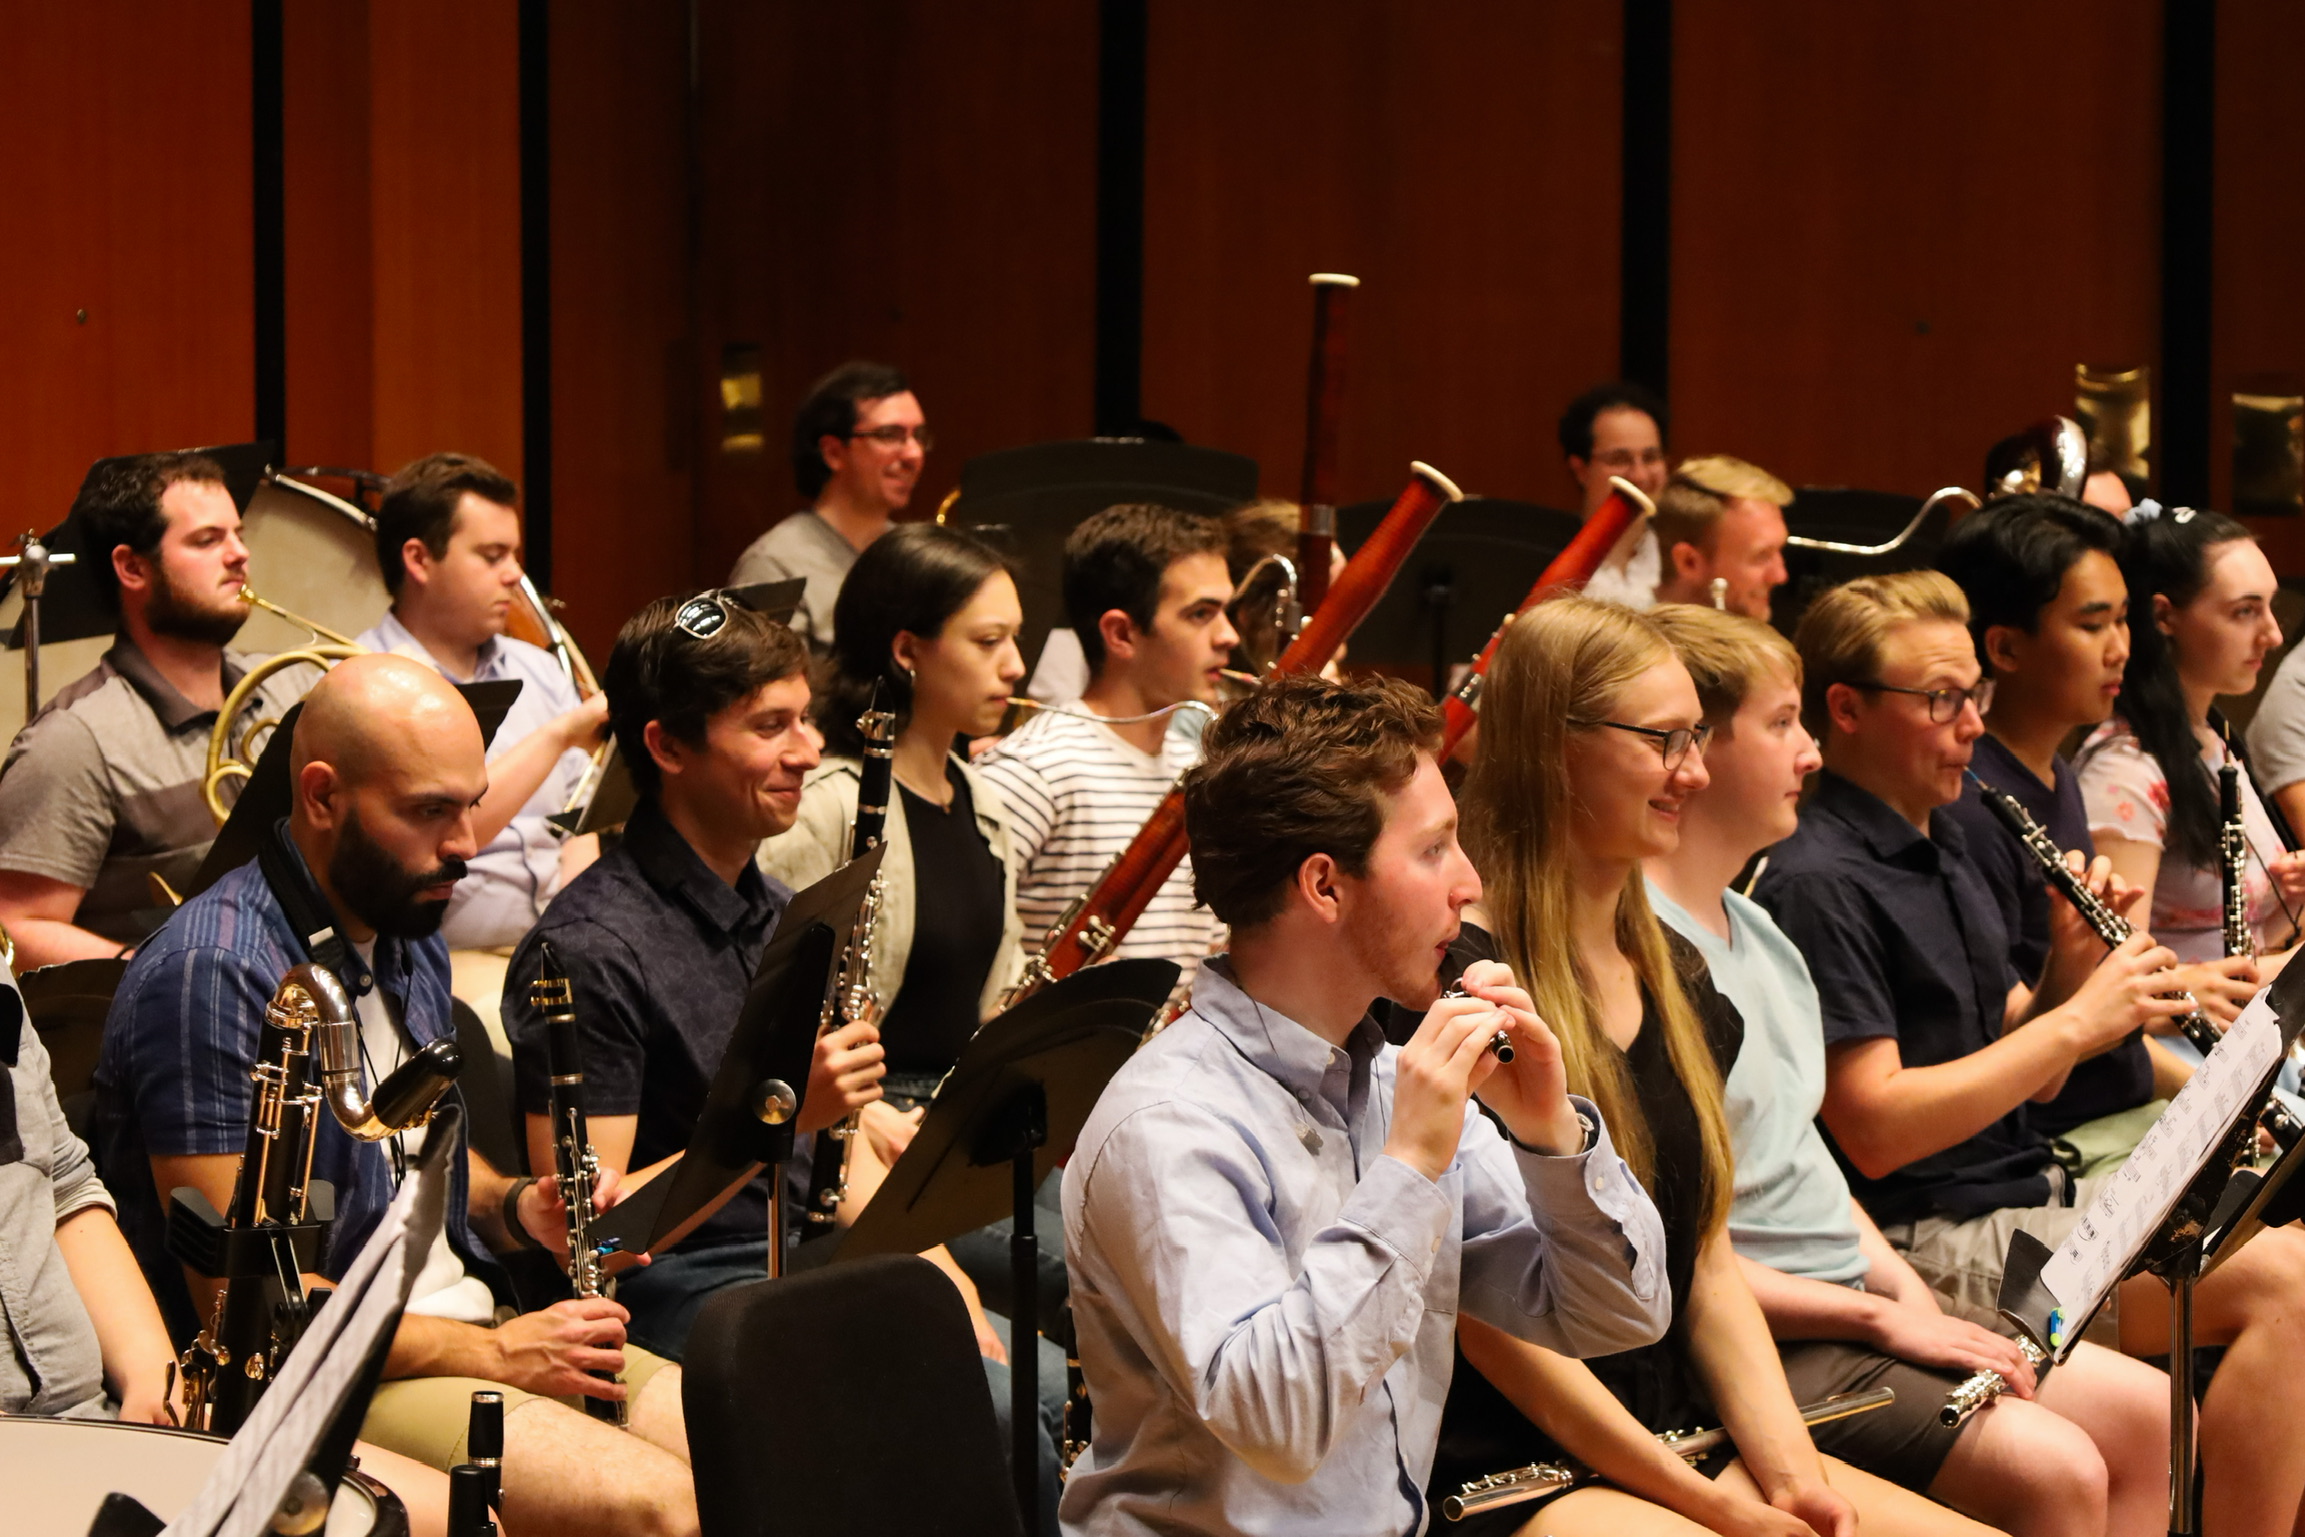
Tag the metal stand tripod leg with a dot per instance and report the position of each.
(2184, 1509)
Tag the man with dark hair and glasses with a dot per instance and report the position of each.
(858, 443)
(1618, 428)
(660, 937)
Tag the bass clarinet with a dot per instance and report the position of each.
(574, 1164)
(272, 1234)
(852, 998)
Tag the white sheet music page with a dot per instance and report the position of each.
(2133, 1204)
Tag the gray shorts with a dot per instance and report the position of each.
(1963, 1261)
(1903, 1442)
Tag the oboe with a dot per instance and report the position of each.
(1981, 1388)
(261, 1246)
(2105, 923)
(575, 1165)
(1543, 1480)
(2233, 861)
(852, 997)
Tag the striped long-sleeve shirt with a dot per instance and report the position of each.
(1076, 795)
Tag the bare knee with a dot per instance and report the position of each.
(2028, 1471)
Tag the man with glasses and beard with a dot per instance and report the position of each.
(101, 791)
(387, 767)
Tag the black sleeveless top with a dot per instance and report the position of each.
(1481, 1431)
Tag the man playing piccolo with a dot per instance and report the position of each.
(1273, 1218)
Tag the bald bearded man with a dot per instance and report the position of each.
(387, 768)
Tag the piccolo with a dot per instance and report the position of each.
(1501, 1044)
(1543, 1480)
(1981, 1388)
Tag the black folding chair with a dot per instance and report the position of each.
(846, 1400)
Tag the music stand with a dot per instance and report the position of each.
(1015, 1102)
(758, 1092)
(1471, 569)
(267, 796)
(2176, 1210)
(297, 1444)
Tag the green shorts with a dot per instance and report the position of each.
(427, 1418)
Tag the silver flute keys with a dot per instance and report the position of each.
(1981, 1388)
(1500, 1044)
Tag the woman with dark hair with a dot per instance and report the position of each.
(1594, 740)
(2200, 625)
(929, 617)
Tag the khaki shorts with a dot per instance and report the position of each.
(427, 1418)
(1963, 1261)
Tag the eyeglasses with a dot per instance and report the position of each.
(1673, 746)
(1944, 703)
(894, 437)
(1626, 458)
(702, 617)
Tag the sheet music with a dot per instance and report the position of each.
(2135, 1202)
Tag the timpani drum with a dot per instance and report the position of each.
(56, 1473)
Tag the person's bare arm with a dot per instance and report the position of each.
(515, 774)
(37, 911)
(2139, 864)
(129, 1330)
(1886, 1115)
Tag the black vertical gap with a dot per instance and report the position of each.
(536, 281)
(1120, 146)
(1645, 270)
(268, 131)
(2188, 203)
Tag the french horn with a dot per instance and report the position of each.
(233, 748)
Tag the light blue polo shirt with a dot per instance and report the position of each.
(1792, 1209)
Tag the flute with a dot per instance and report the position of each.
(1981, 1388)
(1501, 1044)
(1543, 1480)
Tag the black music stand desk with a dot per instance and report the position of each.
(1009, 1113)
(756, 1097)
(2173, 1217)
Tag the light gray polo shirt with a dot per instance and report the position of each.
(101, 789)
(806, 546)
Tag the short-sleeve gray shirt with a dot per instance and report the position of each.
(101, 790)
(806, 546)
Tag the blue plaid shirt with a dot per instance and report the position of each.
(178, 1045)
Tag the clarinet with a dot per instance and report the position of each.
(2105, 923)
(269, 1236)
(1543, 1480)
(575, 1165)
(476, 1485)
(2233, 861)
(851, 998)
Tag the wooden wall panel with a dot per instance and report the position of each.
(622, 519)
(1462, 160)
(330, 258)
(907, 181)
(444, 187)
(1896, 229)
(2260, 325)
(126, 188)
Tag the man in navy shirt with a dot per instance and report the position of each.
(2048, 611)
(388, 765)
(1934, 1052)
(661, 937)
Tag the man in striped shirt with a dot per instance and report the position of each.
(1146, 588)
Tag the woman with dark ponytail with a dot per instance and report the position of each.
(2200, 625)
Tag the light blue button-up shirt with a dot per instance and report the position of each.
(513, 878)
(1266, 1304)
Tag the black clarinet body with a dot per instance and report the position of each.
(851, 997)
(2233, 862)
(574, 1164)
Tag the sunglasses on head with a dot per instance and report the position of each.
(705, 615)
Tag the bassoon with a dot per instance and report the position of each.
(1094, 924)
(1324, 414)
(1568, 571)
